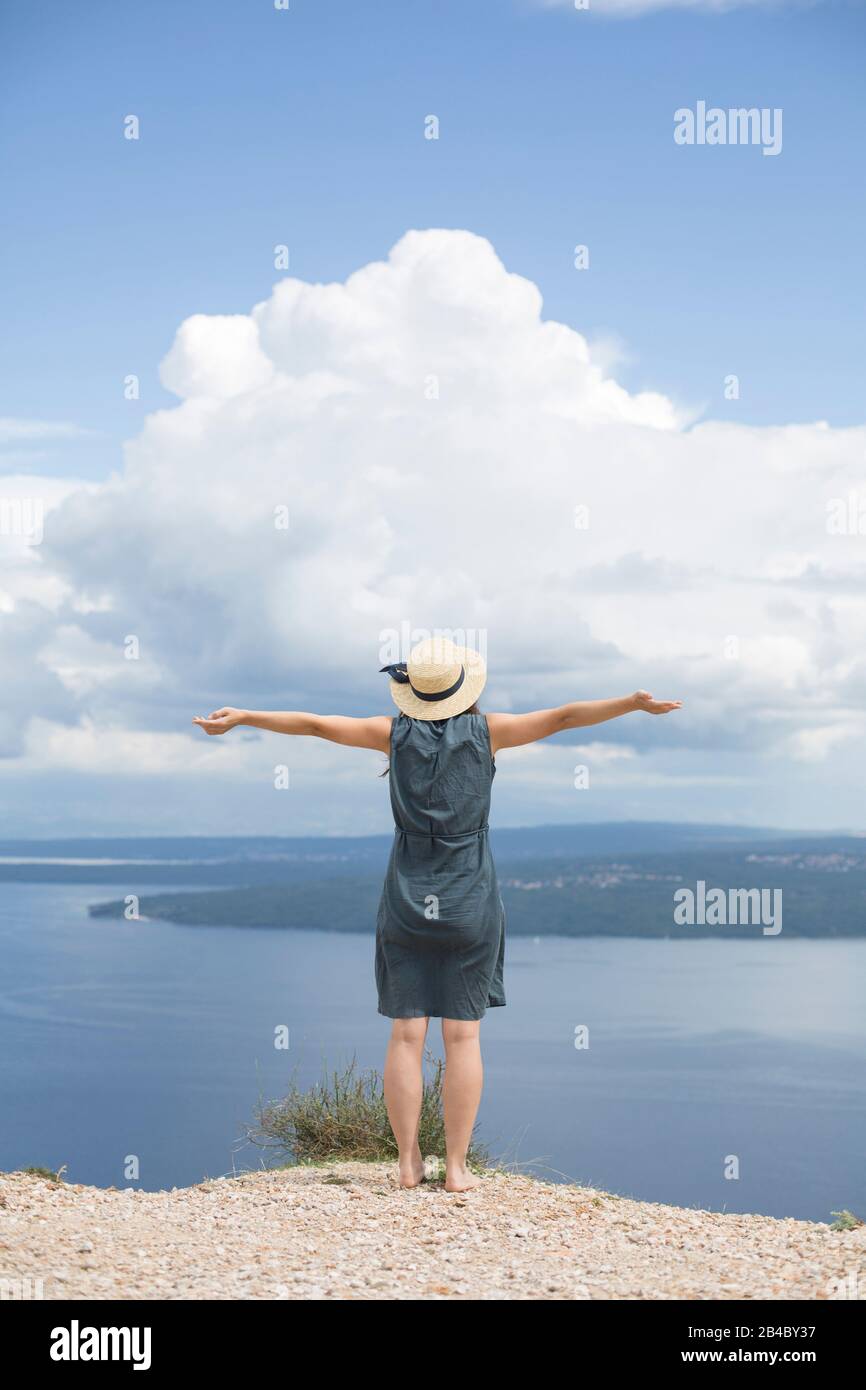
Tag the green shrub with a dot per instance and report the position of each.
(49, 1173)
(845, 1221)
(344, 1117)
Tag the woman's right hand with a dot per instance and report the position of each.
(221, 720)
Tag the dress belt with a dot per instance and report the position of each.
(440, 835)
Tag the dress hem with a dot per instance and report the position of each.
(458, 1018)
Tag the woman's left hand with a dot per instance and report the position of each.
(643, 700)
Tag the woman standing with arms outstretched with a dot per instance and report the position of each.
(440, 931)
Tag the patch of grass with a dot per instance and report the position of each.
(845, 1221)
(37, 1172)
(343, 1118)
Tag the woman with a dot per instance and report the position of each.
(440, 932)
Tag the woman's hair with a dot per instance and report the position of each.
(473, 709)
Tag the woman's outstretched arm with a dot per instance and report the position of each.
(511, 730)
(374, 732)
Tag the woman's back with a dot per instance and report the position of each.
(440, 934)
(441, 774)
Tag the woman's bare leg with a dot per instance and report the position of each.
(403, 1091)
(461, 1095)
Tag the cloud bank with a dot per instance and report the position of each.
(418, 448)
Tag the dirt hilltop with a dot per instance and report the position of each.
(346, 1231)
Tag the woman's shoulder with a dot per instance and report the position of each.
(476, 727)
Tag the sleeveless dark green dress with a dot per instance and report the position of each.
(440, 932)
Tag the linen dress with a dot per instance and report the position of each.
(440, 930)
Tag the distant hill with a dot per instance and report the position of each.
(820, 883)
(216, 861)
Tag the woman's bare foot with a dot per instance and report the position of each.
(459, 1179)
(410, 1171)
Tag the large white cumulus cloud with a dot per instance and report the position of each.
(432, 436)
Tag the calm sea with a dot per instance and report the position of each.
(154, 1040)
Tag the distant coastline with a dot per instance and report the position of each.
(603, 880)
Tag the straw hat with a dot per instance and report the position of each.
(439, 679)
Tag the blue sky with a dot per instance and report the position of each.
(155, 257)
(305, 127)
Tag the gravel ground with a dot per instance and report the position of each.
(348, 1231)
